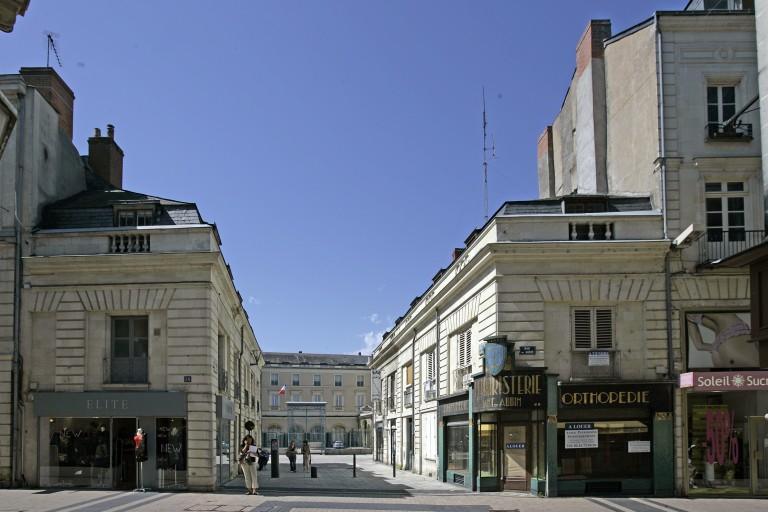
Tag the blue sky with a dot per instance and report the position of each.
(336, 144)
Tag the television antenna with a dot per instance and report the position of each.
(50, 39)
(485, 156)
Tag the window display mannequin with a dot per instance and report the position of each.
(140, 446)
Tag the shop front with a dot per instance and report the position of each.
(453, 439)
(615, 438)
(509, 411)
(725, 432)
(87, 439)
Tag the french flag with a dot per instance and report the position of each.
(282, 390)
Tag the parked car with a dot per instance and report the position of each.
(338, 444)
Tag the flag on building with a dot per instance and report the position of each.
(282, 390)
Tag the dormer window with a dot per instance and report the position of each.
(143, 217)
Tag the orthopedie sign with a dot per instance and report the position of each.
(514, 391)
(109, 404)
(637, 395)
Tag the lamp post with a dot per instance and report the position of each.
(392, 432)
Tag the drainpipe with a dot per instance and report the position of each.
(662, 145)
(413, 405)
(437, 353)
(17, 280)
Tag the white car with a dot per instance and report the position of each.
(338, 444)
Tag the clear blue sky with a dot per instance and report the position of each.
(337, 144)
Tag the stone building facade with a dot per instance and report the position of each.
(603, 290)
(322, 398)
(126, 315)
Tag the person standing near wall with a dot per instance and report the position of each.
(247, 461)
(291, 454)
(306, 455)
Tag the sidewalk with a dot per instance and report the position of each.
(334, 478)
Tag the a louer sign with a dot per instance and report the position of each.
(725, 381)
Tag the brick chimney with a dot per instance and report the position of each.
(51, 86)
(105, 157)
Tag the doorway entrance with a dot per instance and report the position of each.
(123, 454)
(515, 468)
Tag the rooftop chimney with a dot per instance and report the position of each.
(51, 86)
(105, 157)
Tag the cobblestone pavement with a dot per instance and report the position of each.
(373, 490)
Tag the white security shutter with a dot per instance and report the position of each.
(582, 329)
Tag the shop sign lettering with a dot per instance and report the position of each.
(722, 443)
(508, 392)
(605, 398)
(100, 405)
(725, 381)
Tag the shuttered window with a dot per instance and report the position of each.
(592, 328)
(430, 365)
(464, 348)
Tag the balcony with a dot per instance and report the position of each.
(738, 132)
(430, 390)
(717, 245)
(595, 364)
(408, 396)
(461, 379)
(120, 244)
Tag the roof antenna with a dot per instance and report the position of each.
(51, 46)
(485, 156)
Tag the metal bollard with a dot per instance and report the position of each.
(354, 465)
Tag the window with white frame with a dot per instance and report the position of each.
(317, 397)
(359, 400)
(725, 210)
(316, 380)
(273, 379)
(728, 5)
(360, 381)
(338, 401)
(337, 381)
(592, 328)
(135, 218)
(295, 396)
(721, 103)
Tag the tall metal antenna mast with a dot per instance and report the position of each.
(51, 46)
(485, 158)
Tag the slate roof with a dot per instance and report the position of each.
(303, 359)
(94, 207)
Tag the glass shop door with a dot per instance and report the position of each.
(515, 468)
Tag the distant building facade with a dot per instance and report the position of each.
(322, 398)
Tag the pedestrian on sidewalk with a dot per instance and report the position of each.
(291, 454)
(247, 462)
(306, 455)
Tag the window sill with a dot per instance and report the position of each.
(117, 385)
(726, 138)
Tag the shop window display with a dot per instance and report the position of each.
(457, 447)
(171, 452)
(75, 453)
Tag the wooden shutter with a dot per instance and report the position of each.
(431, 365)
(603, 329)
(582, 329)
(409, 375)
(461, 351)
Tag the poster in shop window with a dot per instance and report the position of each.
(580, 435)
(720, 340)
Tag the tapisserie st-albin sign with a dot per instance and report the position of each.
(515, 391)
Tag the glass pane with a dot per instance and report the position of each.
(515, 453)
(735, 186)
(729, 95)
(140, 348)
(714, 235)
(171, 454)
(714, 220)
(141, 327)
(735, 204)
(712, 95)
(714, 204)
(122, 348)
(728, 112)
(736, 220)
(121, 329)
(488, 450)
(74, 452)
(712, 186)
(457, 445)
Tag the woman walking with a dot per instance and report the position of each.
(291, 454)
(306, 456)
(247, 460)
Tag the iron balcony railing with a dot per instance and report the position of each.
(408, 396)
(738, 131)
(718, 244)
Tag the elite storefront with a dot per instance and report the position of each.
(86, 439)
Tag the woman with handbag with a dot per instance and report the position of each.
(247, 460)
(291, 454)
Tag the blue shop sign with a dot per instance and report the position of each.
(515, 446)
